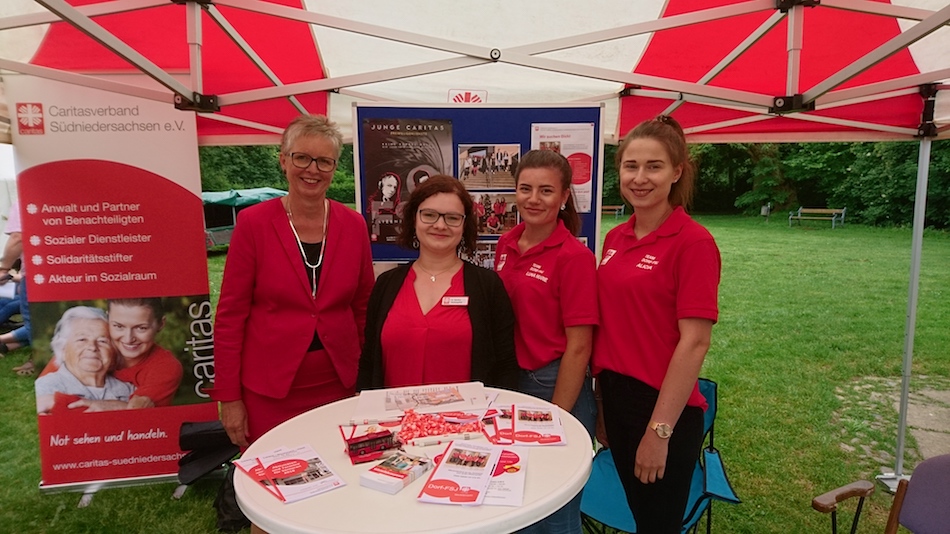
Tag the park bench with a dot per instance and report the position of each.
(617, 211)
(836, 216)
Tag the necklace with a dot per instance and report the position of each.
(433, 275)
(313, 268)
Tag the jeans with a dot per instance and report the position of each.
(9, 308)
(540, 383)
(23, 334)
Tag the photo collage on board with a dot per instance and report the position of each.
(488, 172)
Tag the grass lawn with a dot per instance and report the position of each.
(807, 354)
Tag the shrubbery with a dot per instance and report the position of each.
(875, 181)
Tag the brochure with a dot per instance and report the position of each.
(252, 468)
(380, 405)
(533, 425)
(463, 474)
(396, 472)
(291, 474)
(507, 482)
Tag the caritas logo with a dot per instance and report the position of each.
(29, 118)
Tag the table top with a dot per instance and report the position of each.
(555, 474)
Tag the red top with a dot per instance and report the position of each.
(156, 377)
(552, 286)
(430, 348)
(645, 287)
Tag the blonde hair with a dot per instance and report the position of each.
(311, 126)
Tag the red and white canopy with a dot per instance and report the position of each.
(845, 69)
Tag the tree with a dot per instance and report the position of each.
(240, 167)
(246, 167)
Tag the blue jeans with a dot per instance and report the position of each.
(540, 383)
(9, 308)
(23, 334)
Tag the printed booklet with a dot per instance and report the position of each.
(463, 474)
(532, 425)
(291, 474)
(382, 405)
(395, 472)
(507, 482)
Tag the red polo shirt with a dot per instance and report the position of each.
(552, 286)
(645, 287)
(427, 348)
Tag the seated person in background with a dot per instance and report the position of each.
(154, 371)
(9, 305)
(85, 355)
(493, 223)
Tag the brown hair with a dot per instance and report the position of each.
(434, 185)
(548, 159)
(311, 126)
(665, 130)
(152, 303)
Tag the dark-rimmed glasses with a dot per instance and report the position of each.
(302, 161)
(432, 216)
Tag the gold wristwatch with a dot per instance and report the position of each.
(662, 429)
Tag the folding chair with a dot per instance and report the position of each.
(604, 503)
(920, 504)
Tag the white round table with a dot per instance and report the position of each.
(555, 474)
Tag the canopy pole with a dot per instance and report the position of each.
(793, 48)
(195, 40)
(920, 205)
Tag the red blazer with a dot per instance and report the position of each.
(266, 316)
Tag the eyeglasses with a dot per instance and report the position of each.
(302, 161)
(432, 216)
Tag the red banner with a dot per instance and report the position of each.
(116, 276)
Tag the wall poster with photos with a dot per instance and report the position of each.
(399, 146)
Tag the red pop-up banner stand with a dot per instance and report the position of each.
(117, 280)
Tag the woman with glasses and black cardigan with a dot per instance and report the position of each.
(438, 319)
(289, 324)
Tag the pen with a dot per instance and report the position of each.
(439, 440)
(354, 421)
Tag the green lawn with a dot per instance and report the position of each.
(807, 354)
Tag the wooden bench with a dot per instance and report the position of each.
(836, 216)
(616, 210)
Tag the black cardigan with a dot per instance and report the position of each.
(491, 315)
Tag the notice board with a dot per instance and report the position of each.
(397, 146)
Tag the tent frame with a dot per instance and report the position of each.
(762, 107)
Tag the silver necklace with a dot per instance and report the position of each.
(313, 268)
(432, 276)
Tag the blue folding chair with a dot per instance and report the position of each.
(604, 503)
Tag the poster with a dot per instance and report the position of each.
(398, 155)
(115, 262)
(481, 146)
(574, 141)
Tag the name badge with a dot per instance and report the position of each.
(455, 301)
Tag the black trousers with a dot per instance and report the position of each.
(628, 404)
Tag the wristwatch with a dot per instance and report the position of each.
(662, 429)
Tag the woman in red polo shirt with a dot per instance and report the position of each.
(551, 279)
(658, 285)
(438, 319)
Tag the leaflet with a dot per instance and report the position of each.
(507, 482)
(396, 472)
(381, 405)
(463, 474)
(291, 474)
(253, 468)
(534, 425)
